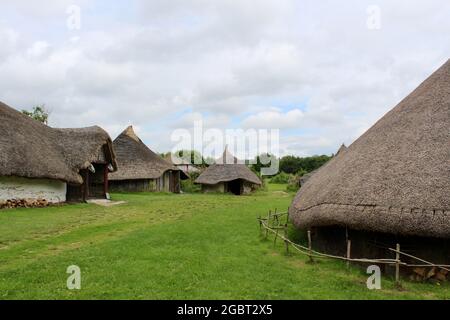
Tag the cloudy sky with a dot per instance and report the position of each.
(320, 71)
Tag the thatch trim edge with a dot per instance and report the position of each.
(395, 220)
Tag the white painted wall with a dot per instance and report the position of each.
(23, 188)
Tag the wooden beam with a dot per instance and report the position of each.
(105, 180)
(310, 246)
(86, 185)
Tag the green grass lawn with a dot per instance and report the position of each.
(164, 246)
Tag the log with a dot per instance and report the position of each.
(431, 273)
(420, 272)
(441, 276)
(24, 203)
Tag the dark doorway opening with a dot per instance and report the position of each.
(235, 187)
(175, 186)
(95, 185)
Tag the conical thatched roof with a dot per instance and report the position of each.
(342, 149)
(227, 168)
(396, 177)
(136, 160)
(31, 149)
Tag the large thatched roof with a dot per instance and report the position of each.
(227, 168)
(396, 177)
(136, 160)
(31, 149)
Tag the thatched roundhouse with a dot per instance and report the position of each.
(140, 169)
(56, 165)
(227, 174)
(391, 185)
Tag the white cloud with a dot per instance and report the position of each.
(275, 119)
(240, 64)
(38, 49)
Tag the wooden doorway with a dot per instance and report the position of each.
(174, 184)
(94, 186)
(235, 187)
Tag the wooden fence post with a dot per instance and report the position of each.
(397, 264)
(310, 245)
(349, 248)
(286, 237)
(275, 239)
(268, 224)
(287, 216)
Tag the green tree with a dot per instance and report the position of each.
(39, 113)
(293, 165)
(192, 156)
(258, 163)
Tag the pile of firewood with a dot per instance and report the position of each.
(430, 274)
(24, 203)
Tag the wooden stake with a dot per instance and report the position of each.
(349, 248)
(397, 265)
(287, 216)
(286, 236)
(310, 245)
(268, 224)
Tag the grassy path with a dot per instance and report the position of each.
(162, 246)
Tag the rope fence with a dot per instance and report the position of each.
(273, 224)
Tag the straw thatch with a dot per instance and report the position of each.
(31, 149)
(136, 161)
(395, 178)
(227, 168)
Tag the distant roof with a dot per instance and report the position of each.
(227, 168)
(31, 149)
(136, 160)
(396, 177)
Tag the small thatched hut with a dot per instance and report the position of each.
(392, 185)
(227, 174)
(140, 169)
(38, 162)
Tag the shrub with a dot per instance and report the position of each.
(281, 178)
(293, 184)
(188, 186)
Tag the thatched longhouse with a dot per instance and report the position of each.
(227, 174)
(140, 169)
(56, 165)
(391, 185)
